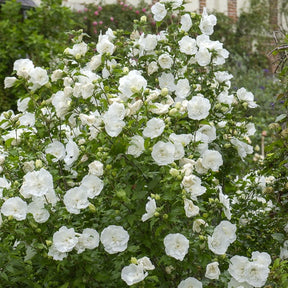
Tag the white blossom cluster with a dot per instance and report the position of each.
(114, 239)
(66, 239)
(254, 272)
(150, 94)
(253, 191)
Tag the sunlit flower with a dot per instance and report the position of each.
(92, 185)
(72, 153)
(225, 98)
(61, 103)
(163, 153)
(56, 75)
(246, 96)
(191, 210)
(4, 184)
(78, 50)
(37, 209)
(38, 78)
(212, 159)
(186, 22)
(104, 45)
(64, 240)
(15, 207)
(23, 67)
(222, 76)
(176, 246)
(154, 128)
(224, 200)
(113, 119)
(208, 133)
(198, 108)
(37, 183)
(190, 282)
(76, 199)
(237, 267)
(133, 274)
(136, 146)
(182, 89)
(56, 149)
(212, 271)
(147, 43)
(197, 225)
(207, 23)
(131, 83)
(165, 61)
(152, 68)
(203, 56)
(55, 254)
(27, 119)
(89, 239)
(256, 274)
(159, 11)
(150, 209)
(223, 235)
(242, 147)
(9, 82)
(235, 284)
(114, 239)
(146, 262)
(22, 104)
(192, 184)
(96, 168)
(167, 80)
(188, 45)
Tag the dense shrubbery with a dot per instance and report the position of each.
(103, 137)
(276, 164)
(117, 16)
(41, 35)
(41, 42)
(124, 164)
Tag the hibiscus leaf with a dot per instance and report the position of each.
(278, 237)
(65, 285)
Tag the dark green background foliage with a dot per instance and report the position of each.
(99, 18)
(40, 36)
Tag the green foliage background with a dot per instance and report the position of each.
(36, 38)
(40, 36)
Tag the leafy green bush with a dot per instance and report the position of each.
(276, 164)
(266, 88)
(277, 158)
(98, 18)
(40, 36)
(249, 40)
(119, 166)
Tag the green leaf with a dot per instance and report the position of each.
(278, 237)
(4, 276)
(280, 117)
(133, 248)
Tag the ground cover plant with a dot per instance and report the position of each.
(120, 166)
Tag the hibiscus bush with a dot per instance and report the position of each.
(31, 36)
(119, 167)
